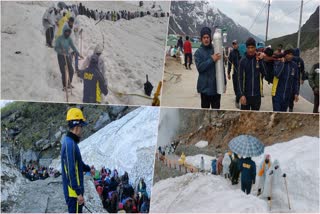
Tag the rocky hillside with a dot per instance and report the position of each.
(219, 127)
(33, 131)
(309, 35)
(188, 17)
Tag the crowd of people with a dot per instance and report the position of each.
(117, 194)
(35, 172)
(283, 68)
(270, 178)
(61, 23)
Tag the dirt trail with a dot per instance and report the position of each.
(180, 90)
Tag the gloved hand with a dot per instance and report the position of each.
(284, 175)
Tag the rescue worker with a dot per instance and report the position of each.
(249, 77)
(72, 164)
(314, 84)
(97, 51)
(263, 168)
(61, 23)
(233, 62)
(299, 61)
(234, 170)
(94, 83)
(248, 174)
(205, 60)
(285, 82)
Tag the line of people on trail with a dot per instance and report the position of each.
(34, 172)
(116, 15)
(117, 194)
(67, 31)
(271, 183)
(284, 69)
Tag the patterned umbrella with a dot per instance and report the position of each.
(246, 145)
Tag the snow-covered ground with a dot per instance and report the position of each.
(127, 144)
(299, 159)
(132, 49)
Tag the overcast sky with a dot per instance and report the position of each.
(281, 22)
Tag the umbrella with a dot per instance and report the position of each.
(246, 145)
(62, 5)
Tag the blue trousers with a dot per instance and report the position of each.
(246, 187)
(73, 206)
(279, 104)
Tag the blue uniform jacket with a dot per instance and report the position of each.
(72, 167)
(248, 170)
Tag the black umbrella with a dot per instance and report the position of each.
(148, 87)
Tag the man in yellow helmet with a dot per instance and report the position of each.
(71, 162)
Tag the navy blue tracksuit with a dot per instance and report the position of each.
(285, 84)
(234, 59)
(250, 81)
(248, 174)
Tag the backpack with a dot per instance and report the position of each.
(214, 167)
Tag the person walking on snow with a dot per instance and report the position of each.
(202, 164)
(248, 174)
(48, 24)
(94, 83)
(72, 164)
(264, 167)
(187, 48)
(234, 170)
(285, 82)
(274, 186)
(205, 60)
(251, 68)
(226, 164)
(62, 46)
(219, 164)
(314, 84)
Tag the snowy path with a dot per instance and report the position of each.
(132, 49)
(200, 192)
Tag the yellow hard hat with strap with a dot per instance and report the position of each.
(75, 114)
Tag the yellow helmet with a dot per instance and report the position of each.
(75, 114)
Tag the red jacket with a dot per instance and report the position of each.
(187, 47)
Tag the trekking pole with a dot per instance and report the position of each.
(285, 181)
(87, 208)
(81, 42)
(65, 78)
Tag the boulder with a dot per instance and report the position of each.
(115, 110)
(103, 120)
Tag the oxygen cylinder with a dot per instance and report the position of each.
(217, 44)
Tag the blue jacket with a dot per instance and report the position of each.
(207, 71)
(248, 170)
(63, 44)
(249, 76)
(72, 167)
(234, 58)
(286, 80)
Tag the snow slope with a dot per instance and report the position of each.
(299, 159)
(127, 144)
(202, 144)
(132, 49)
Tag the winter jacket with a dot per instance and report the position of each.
(226, 163)
(207, 71)
(314, 76)
(262, 172)
(187, 47)
(61, 22)
(249, 76)
(142, 187)
(299, 61)
(101, 65)
(248, 170)
(286, 80)
(63, 45)
(94, 83)
(72, 167)
(234, 167)
(234, 59)
(48, 19)
(219, 165)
